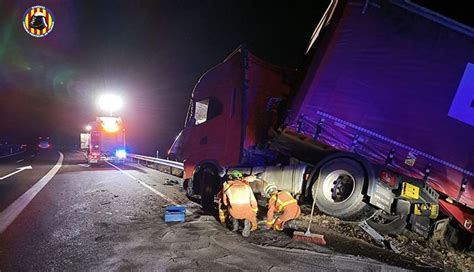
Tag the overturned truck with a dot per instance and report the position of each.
(380, 127)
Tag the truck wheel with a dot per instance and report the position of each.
(189, 187)
(338, 190)
(207, 180)
(389, 224)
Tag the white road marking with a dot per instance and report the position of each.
(21, 169)
(11, 212)
(20, 160)
(145, 185)
(84, 165)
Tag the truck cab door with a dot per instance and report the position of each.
(212, 134)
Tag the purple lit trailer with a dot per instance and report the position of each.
(394, 79)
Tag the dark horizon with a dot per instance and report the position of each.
(152, 53)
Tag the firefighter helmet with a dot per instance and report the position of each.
(270, 189)
(236, 174)
(38, 21)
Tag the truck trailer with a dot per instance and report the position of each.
(105, 141)
(379, 126)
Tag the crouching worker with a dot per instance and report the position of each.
(283, 203)
(240, 201)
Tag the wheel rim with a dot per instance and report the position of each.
(338, 186)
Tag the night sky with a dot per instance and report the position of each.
(150, 52)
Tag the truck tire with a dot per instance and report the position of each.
(207, 180)
(338, 190)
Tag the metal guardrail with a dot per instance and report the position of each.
(174, 164)
(10, 154)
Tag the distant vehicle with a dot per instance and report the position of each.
(105, 141)
(43, 143)
(379, 123)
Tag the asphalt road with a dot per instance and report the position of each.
(111, 218)
(15, 185)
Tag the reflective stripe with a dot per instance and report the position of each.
(284, 204)
(239, 201)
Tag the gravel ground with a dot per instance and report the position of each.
(413, 248)
(348, 238)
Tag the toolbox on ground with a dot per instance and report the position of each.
(175, 214)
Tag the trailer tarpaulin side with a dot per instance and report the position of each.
(392, 79)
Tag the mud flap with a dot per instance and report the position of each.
(439, 229)
(378, 237)
(420, 225)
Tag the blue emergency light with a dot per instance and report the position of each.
(121, 153)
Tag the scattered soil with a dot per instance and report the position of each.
(414, 250)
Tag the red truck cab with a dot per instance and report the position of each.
(229, 104)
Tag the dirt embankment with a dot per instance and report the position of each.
(415, 252)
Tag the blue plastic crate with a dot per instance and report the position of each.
(175, 214)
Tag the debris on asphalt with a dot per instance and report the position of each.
(410, 245)
(170, 182)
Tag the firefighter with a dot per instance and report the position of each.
(283, 203)
(240, 201)
(223, 212)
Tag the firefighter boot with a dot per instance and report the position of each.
(235, 224)
(246, 231)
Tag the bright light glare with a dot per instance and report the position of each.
(88, 128)
(110, 124)
(110, 102)
(120, 153)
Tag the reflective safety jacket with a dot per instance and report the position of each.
(278, 202)
(238, 193)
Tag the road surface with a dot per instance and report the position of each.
(111, 218)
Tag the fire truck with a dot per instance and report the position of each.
(105, 141)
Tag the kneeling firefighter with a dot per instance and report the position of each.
(241, 204)
(282, 202)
